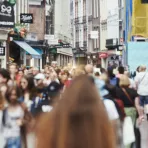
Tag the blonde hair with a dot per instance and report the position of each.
(142, 68)
(124, 81)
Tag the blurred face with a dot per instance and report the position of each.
(46, 69)
(35, 72)
(13, 96)
(3, 90)
(47, 74)
(20, 73)
(24, 84)
(13, 69)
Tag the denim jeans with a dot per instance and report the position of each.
(143, 100)
(13, 142)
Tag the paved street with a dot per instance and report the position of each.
(144, 134)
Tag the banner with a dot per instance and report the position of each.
(140, 19)
(7, 15)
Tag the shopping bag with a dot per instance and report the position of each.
(128, 131)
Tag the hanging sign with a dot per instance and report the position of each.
(26, 18)
(12, 2)
(7, 15)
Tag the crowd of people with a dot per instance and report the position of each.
(76, 107)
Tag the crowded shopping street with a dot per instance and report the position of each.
(73, 73)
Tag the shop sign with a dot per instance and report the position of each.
(7, 15)
(26, 18)
(94, 35)
(49, 37)
(2, 51)
(103, 55)
(12, 2)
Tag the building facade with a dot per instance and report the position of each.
(62, 32)
(18, 7)
(111, 30)
(85, 20)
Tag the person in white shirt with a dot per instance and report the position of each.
(141, 81)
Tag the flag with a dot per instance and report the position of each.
(140, 19)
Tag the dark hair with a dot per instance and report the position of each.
(78, 119)
(30, 81)
(110, 72)
(5, 73)
(9, 91)
(121, 69)
(103, 70)
(97, 74)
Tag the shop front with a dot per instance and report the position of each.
(64, 56)
(23, 54)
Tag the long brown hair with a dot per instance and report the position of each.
(78, 121)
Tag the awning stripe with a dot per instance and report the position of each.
(28, 48)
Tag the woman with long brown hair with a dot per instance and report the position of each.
(79, 120)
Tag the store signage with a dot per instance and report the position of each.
(49, 37)
(26, 18)
(12, 1)
(94, 35)
(2, 51)
(103, 55)
(7, 15)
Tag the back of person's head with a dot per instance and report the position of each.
(142, 68)
(78, 121)
(121, 69)
(89, 69)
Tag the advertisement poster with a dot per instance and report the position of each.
(7, 18)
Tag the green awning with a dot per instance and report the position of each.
(53, 50)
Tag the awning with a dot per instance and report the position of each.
(65, 51)
(40, 51)
(28, 49)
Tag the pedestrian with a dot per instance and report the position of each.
(112, 78)
(19, 76)
(120, 71)
(79, 120)
(28, 90)
(130, 99)
(141, 81)
(47, 79)
(13, 119)
(13, 69)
